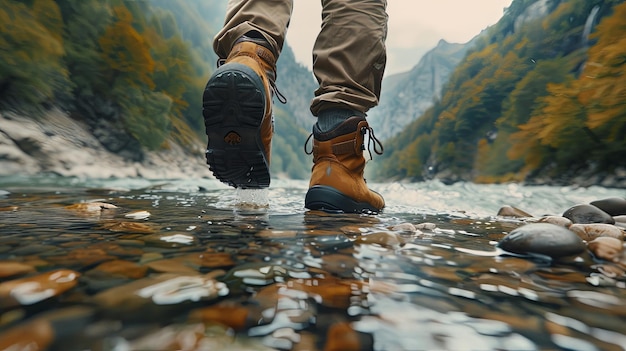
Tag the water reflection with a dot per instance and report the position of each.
(160, 268)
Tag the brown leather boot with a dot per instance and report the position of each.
(337, 183)
(237, 110)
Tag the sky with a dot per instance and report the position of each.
(415, 26)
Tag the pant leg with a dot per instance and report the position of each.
(349, 55)
(268, 17)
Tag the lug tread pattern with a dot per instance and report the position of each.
(233, 109)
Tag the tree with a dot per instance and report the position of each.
(85, 22)
(31, 66)
(603, 82)
(126, 53)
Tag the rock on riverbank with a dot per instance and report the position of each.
(57, 144)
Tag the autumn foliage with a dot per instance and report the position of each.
(538, 98)
(117, 62)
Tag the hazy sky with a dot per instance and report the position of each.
(415, 26)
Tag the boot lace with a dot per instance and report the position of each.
(371, 140)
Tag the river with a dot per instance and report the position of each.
(135, 264)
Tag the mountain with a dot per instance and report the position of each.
(297, 84)
(406, 96)
(538, 98)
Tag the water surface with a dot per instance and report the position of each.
(132, 264)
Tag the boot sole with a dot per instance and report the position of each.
(233, 106)
(329, 199)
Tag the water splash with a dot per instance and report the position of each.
(252, 198)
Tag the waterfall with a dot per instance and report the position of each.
(589, 25)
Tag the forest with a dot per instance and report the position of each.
(133, 71)
(543, 97)
(539, 98)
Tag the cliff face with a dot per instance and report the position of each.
(406, 96)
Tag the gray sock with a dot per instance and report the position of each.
(328, 119)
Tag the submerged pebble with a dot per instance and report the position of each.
(543, 239)
(138, 215)
(197, 276)
(30, 290)
(91, 207)
(9, 269)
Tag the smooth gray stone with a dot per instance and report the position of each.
(615, 206)
(542, 239)
(588, 214)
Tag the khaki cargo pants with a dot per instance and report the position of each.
(349, 55)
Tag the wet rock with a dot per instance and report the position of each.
(216, 259)
(558, 275)
(119, 268)
(10, 269)
(282, 309)
(449, 274)
(194, 337)
(595, 230)
(606, 248)
(36, 249)
(615, 206)
(510, 211)
(129, 227)
(587, 214)
(384, 239)
(342, 337)
(170, 240)
(91, 207)
(34, 289)
(558, 220)
(276, 234)
(115, 248)
(543, 239)
(147, 294)
(325, 243)
(175, 265)
(610, 271)
(330, 291)
(68, 325)
(150, 256)
(512, 265)
(81, 257)
(256, 274)
(138, 215)
(406, 227)
(35, 335)
(599, 302)
(339, 264)
(426, 226)
(234, 316)
(352, 230)
(620, 221)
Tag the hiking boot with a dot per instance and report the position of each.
(337, 183)
(237, 110)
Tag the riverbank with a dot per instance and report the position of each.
(57, 144)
